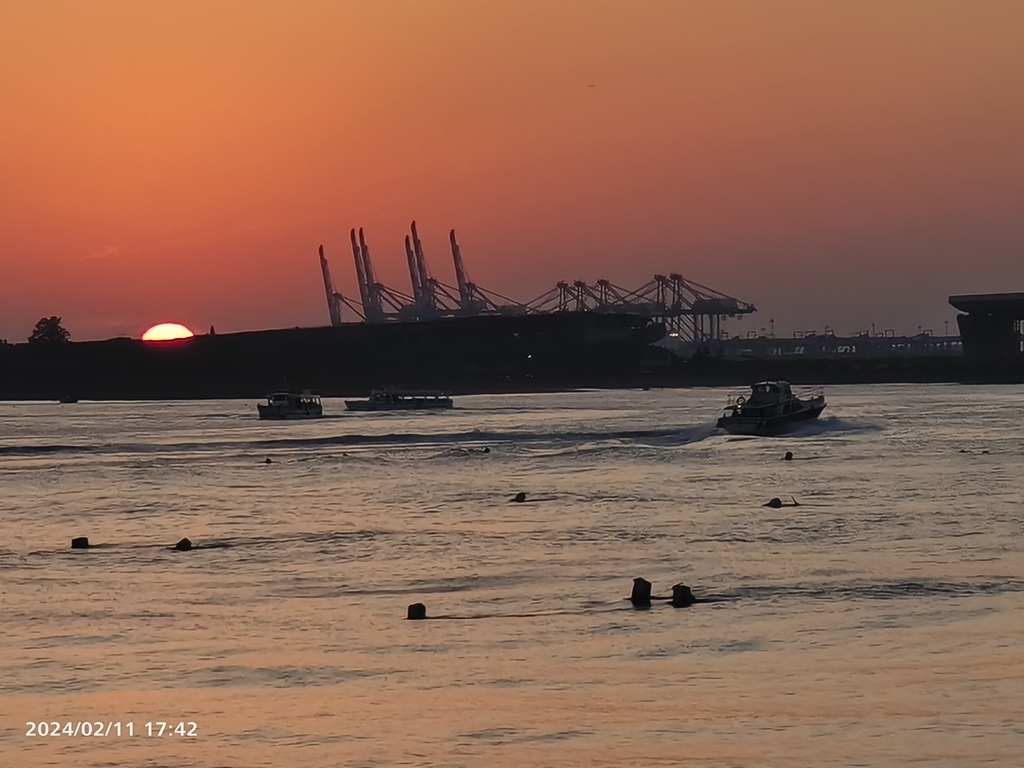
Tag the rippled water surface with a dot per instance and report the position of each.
(879, 622)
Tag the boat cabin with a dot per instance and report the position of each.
(388, 399)
(770, 392)
(767, 399)
(398, 396)
(294, 400)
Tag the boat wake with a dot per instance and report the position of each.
(832, 425)
(662, 437)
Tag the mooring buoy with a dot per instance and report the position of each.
(776, 502)
(641, 594)
(682, 596)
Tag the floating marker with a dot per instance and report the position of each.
(788, 456)
(682, 596)
(417, 612)
(641, 596)
(519, 498)
(183, 546)
(82, 542)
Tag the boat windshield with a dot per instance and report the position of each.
(395, 396)
(771, 390)
(288, 398)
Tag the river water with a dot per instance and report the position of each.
(877, 623)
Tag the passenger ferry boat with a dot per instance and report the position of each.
(291, 405)
(770, 409)
(401, 400)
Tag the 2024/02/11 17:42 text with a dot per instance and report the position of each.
(114, 728)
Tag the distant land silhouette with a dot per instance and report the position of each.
(460, 355)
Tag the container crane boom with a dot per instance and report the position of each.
(334, 299)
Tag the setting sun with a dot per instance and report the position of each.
(167, 332)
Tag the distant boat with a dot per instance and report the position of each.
(401, 400)
(291, 405)
(772, 408)
(69, 399)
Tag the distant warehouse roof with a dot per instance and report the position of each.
(1007, 304)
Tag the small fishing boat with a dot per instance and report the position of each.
(291, 405)
(401, 400)
(771, 409)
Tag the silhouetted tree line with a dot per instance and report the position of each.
(49, 331)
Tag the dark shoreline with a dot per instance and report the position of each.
(462, 356)
(682, 375)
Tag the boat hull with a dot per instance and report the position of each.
(269, 412)
(362, 405)
(770, 425)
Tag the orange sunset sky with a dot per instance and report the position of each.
(834, 163)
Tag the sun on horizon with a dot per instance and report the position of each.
(167, 332)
